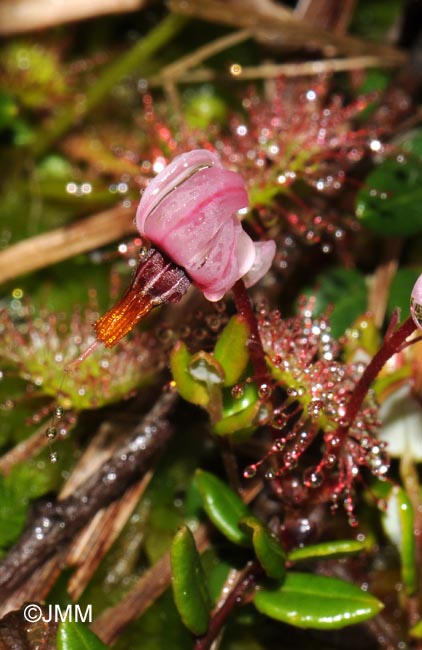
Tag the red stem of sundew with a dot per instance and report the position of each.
(234, 599)
(244, 308)
(392, 344)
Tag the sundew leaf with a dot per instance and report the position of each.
(267, 547)
(190, 590)
(231, 349)
(76, 636)
(223, 507)
(310, 601)
(336, 548)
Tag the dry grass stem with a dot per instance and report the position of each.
(18, 16)
(57, 245)
(272, 70)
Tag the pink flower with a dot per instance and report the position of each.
(416, 303)
(189, 212)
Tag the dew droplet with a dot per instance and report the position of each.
(270, 474)
(249, 471)
(264, 391)
(51, 432)
(59, 412)
(312, 478)
(238, 391)
(54, 457)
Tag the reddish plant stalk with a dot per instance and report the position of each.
(244, 308)
(235, 598)
(391, 345)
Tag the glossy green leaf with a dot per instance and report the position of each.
(76, 636)
(242, 424)
(398, 522)
(336, 548)
(223, 506)
(189, 388)
(307, 600)
(190, 590)
(267, 547)
(400, 289)
(343, 290)
(231, 349)
(389, 203)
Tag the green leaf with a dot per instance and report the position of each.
(336, 548)
(267, 548)
(190, 590)
(76, 636)
(307, 600)
(13, 510)
(191, 390)
(231, 349)
(239, 425)
(223, 507)
(344, 290)
(389, 203)
(398, 522)
(416, 630)
(400, 289)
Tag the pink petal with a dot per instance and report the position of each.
(416, 303)
(264, 255)
(181, 168)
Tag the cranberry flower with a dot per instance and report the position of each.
(188, 212)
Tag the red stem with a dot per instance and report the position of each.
(244, 308)
(234, 599)
(391, 345)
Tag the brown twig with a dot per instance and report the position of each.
(17, 16)
(277, 26)
(96, 540)
(57, 245)
(60, 520)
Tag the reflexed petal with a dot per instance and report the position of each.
(264, 255)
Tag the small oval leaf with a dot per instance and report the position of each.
(337, 548)
(190, 589)
(267, 548)
(231, 349)
(191, 390)
(223, 506)
(309, 601)
(75, 636)
(398, 522)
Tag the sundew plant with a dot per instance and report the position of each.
(210, 325)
